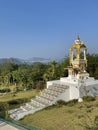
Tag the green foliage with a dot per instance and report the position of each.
(5, 90)
(88, 98)
(52, 71)
(4, 107)
(92, 64)
(69, 103)
(50, 107)
(64, 64)
(61, 102)
(72, 102)
(35, 76)
(58, 104)
(17, 102)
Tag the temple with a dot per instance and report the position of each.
(75, 86)
(78, 61)
(78, 81)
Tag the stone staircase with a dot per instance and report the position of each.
(46, 98)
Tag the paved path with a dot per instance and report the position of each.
(5, 126)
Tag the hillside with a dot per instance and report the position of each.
(65, 117)
(22, 61)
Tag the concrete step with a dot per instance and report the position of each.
(26, 108)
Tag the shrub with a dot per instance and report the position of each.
(69, 103)
(50, 107)
(6, 90)
(61, 102)
(88, 98)
(72, 102)
(3, 108)
(17, 101)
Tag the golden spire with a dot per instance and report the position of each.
(77, 41)
(75, 58)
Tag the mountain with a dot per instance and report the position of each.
(13, 60)
(37, 59)
(22, 61)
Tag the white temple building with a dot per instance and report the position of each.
(75, 86)
(78, 81)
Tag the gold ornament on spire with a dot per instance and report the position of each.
(78, 55)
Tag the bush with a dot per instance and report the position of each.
(72, 102)
(6, 90)
(61, 102)
(69, 103)
(50, 107)
(16, 103)
(88, 98)
(3, 108)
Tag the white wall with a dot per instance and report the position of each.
(73, 92)
(49, 83)
(64, 96)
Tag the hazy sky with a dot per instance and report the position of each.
(46, 28)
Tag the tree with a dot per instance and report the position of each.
(92, 63)
(51, 72)
(4, 107)
(64, 64)
(11, 78)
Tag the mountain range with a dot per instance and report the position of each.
(22, 61)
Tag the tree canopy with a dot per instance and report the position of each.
(35, 75)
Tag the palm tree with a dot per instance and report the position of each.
(50, 74)
(53, 68)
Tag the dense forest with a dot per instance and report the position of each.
(34, 76)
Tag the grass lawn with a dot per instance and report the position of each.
(64, 117)
(19, 95)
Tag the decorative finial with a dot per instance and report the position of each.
(77, 39)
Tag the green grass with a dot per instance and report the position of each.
(20, 95)
(65, 117)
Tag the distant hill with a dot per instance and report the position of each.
(37, 59)
(22, 61)
(13, 60)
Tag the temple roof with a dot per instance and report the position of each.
(78, 43)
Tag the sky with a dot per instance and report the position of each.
(46, 28)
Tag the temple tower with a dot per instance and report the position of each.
(78, 61)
